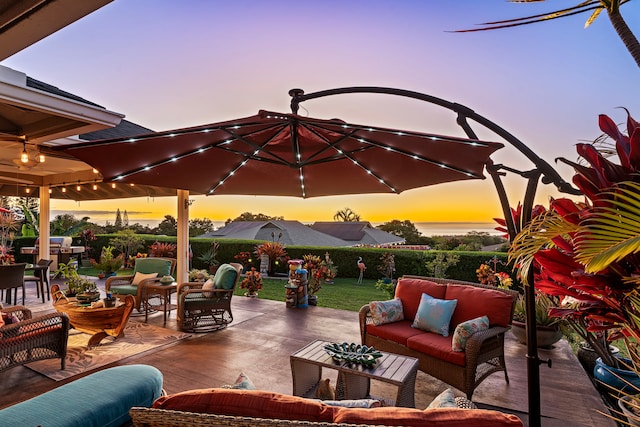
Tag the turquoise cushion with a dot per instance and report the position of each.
(124, 290)
(153, 265)
(102, 399)
(225, 277)
(434, 314)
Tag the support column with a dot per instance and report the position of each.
(44, 247)
(183, 237)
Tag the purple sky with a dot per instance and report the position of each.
(170, 64)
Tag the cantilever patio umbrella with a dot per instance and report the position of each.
(287, 155)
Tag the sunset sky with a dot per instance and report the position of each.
(169, 64)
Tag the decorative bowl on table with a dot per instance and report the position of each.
(353, 353)
(167, 280)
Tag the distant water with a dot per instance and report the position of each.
(456, 228)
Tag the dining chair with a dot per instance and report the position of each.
(12, 277)
(41, 277)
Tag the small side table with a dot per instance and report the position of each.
(164, 291)
(353, 379)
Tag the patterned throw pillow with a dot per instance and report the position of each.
(242, 383)
(434, 314)
(446, 399)
(386, 311)
(465, 329)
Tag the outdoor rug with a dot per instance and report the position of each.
(138, 338)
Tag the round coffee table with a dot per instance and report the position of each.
(99, 322)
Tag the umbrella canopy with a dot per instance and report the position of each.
(287, 155)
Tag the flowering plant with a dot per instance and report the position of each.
(5, 256)
(504, 280)
(244, 258)
(253, 282)
(319, 271)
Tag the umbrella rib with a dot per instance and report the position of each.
(395, 150)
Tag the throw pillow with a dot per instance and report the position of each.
(434, 314)
(354, 403)
(465, 329)
(242, 383)
(386, 311)
(225, 277)
(208, 286)
(446, 399)
(139, 277)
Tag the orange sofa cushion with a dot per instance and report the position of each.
(254, 403)
(437, 346)
(397, 331)
(445, 417)
(410, 291)
(475, 302)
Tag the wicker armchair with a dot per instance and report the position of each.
(31, 339)
(121, 286)
(208, 310)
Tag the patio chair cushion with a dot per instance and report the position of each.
(139, 277)
(247, 403)
(465, 329)
(124, 290)
(162, 267)
(495, 305)
(386, 311)
(434, 314)
(410, 290)
(225, 277)
(397, 332)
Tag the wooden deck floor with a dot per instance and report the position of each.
(264, 334)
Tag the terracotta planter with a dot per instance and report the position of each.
(547, 336)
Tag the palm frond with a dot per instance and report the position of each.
(537, 235)
(613, 232)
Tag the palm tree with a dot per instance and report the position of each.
(346, 215)
(612, 7)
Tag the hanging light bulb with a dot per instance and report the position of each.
(64, 189)
(113, 185)
(24, 156)
(95, 186)
(40, 157)
(27, 190)
(78, 187)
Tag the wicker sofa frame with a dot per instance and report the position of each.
(484, 352)
(151, 417)
(31, 339)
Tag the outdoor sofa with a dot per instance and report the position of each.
(483, 353)
(224, 407)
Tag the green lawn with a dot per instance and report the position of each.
(343, 294)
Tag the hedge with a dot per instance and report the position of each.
(344, 258)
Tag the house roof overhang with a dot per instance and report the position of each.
(24, 22)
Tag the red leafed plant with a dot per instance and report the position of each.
(586, 254)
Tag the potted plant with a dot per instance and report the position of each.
(76, 285)
(319, 271)
(244, 258)
(252, 283)
(585, 253)
(108, 263)
(275, 251)
(387, 266)
(548, 328)
(196, 275)
(209, 257)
